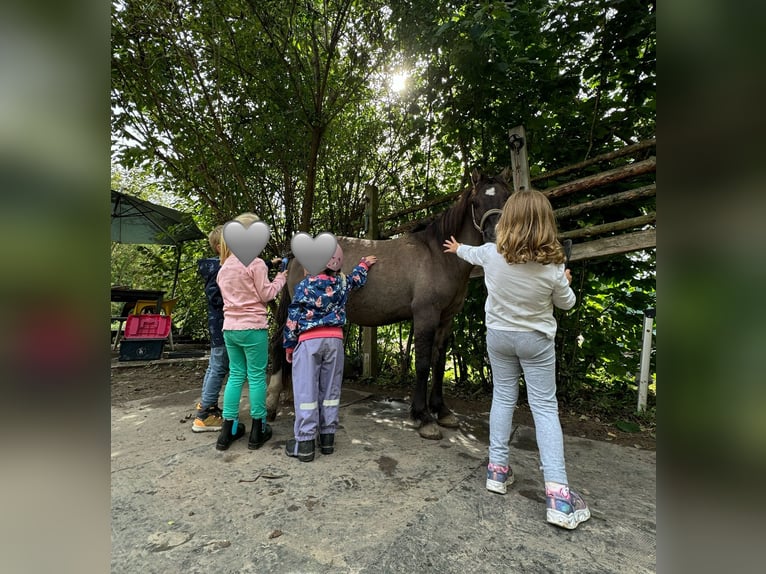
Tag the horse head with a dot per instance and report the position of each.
(488, 196)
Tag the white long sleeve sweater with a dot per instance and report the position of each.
(520, 297)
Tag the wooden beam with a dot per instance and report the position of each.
(627, 150)
(621, 225)
(370, 334)
(612, 245)
(424, 205)
(603, 178)
(610, 200)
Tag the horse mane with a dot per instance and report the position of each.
(447, 223)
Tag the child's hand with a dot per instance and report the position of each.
(275, 262)
(370, 260)
(451, 245)
(568, 275)
(289, 354)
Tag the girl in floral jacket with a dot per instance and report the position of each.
(313, 340)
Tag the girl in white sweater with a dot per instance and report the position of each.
(525, 278)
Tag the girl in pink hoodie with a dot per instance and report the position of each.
(245, 291)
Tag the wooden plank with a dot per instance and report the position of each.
(424, 205)
(621, 225)
(610, 200)
(613, 245)
(625, 151)
(603, 178)
(519, 161)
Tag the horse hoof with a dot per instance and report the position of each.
(430, 431)
(271, 416)
(449, 421)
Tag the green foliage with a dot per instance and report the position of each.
(599, 341)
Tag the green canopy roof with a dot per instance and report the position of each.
(136, 220)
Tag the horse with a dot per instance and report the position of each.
(413, 279)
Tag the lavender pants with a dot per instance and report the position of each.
(317, 379)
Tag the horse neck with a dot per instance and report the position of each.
(457, 222)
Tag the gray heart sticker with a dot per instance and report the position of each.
(246, 243)
(313, 254)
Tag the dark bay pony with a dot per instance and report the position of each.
(413, 279)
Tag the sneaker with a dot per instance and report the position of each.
(565, 508)
(499, 478)
(214, 410)
(211, 410)
(208, 421)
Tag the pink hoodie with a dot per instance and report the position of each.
(245, 291)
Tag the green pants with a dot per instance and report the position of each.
(248, 357)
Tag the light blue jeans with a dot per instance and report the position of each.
(217, 369)
(248, 357)
(510, 354)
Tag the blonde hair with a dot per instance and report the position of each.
(246, 219)
(527, 230)
(214, 237)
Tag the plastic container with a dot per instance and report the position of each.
(141, 349)
(148, 326)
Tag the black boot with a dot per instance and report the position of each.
(229, 434)
(259, 434)
(326, 443)
(303, 450)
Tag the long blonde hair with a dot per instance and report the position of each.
(246, 219)
(527, 230)
(214, 238)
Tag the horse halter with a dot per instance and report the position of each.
(480, 226)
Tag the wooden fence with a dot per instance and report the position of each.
(593, 239)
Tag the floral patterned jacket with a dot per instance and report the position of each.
(320, 301)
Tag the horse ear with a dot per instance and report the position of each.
(506, 174)
(475, 176)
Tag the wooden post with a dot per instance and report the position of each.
(646, 350)
(370, 334)
(519, 161)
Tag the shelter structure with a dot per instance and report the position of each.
(135, 220)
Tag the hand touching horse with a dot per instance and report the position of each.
(413, 279)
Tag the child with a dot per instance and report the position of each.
(525, 277)
(313, 339)
(209, 417)
(245, 291)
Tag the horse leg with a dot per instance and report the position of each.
(425, 329)
(273, 391)
(436, 404)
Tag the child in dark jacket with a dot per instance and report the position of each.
(209, 416)
(313, 339)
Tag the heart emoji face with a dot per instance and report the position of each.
(313, 254)
(246, 243)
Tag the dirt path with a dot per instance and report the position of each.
(386, 501)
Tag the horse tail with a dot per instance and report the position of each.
(280, 369)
